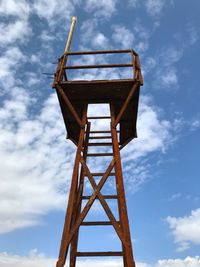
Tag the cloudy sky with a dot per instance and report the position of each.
(161, 167)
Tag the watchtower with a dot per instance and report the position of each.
(74, 96)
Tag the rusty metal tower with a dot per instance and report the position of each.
(74, 96)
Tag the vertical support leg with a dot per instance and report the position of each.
(74, 242)
(72, 196)
(127, 249)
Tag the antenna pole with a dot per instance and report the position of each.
(67, 48)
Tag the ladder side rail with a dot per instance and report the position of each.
(73, 191)
(78, 202)
(127, 248)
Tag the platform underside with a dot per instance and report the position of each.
(103, 91)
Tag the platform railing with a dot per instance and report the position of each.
(61, 76)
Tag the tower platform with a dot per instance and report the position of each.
(123, 94)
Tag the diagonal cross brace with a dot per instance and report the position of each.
(103, 202)
(124, 106)
(89, 203)
(69, 105)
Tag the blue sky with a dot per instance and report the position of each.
(161, 167)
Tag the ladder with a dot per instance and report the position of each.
(77, 212)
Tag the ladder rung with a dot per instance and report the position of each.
(104, 196)
(99, 154)
(101, 174)
(102, 131)
(99, 117)
(99, 144)
(96, 223)
(100, 137)
(99, 254)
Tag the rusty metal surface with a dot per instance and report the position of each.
(99, 66)
(115, 91)
(80, 92)
(97, 52)
(74, 97)
(76, 213)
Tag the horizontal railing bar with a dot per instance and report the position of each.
(100, 137)
(99, 144)
(99, 117)
(101, 173)
(75, 53)
(98, 81)
(100, 66)
(96, 223)
(104, 196)
(99, 154)
(99, 254)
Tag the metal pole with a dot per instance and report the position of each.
(67, 48)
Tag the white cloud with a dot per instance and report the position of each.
(34, 259)
(20, 9)
(168, 78)
(100, 41)
(133, 3)
(10, 61)
(185, 230)
(166, 71)
(46, 36)
(142, 36)
(17, 28)
(136, 37)
(155, 7)
(103, 8)
(153, 132)
(175, 196)
(187, 262)
(12, 32)
(90, 36)
(123, 36)
(195, 124)
(53, 10)
(170, 55)
(35, 167)
(193, 34)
